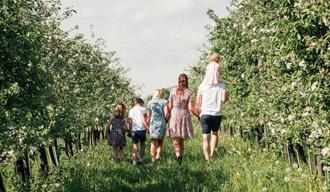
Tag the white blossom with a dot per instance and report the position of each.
(283, 131)
(272, 131)
(97, 119)
(254, 41)
(313, 87)
(305, 114)
(287, 179)
(325, 151)
(288, 169)
(249, 23)
(288, 65)
(326, 168)
(291, 117)
(264, 189)
(313, 45)
(302, 94)
(303, 64)
(293, 84)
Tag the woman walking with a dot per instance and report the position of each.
(157, 124)
(180, 126)
(117, 137)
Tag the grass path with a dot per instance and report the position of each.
(238, 167)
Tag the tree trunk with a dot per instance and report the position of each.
(314, 163)
(2, 185)
(319, 165)
(291, 153)
(102, 134)
(300, 153)
(266, 135)
(96, 134)
(68, 147)
(241, 132)
(22, 167)
(43, 161)
(284, 153)
(90, 137)
(78, 142)
(53, 155)
(231, 131)
(257, 136)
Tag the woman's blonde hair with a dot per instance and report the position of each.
(158, 93)
(214, 57)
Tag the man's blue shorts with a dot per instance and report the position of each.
(138, 136)
(210, 123)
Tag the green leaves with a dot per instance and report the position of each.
(52, 85)
(274, 59)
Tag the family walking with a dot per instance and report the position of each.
(174, 116)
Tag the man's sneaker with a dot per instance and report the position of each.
(134, 162)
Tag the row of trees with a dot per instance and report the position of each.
(52, 86)
(275, 59)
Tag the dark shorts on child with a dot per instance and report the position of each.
(210, 123)
(138, 136)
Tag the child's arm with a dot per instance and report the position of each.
(107, 127)
(145, 121)
(130, 123)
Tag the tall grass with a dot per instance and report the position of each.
(238, 166)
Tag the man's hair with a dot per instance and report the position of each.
(138, 100)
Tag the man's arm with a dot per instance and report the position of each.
(225, 96)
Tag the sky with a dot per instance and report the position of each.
(155, 39)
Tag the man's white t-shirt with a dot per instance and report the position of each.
(211, 98)
(136, 113)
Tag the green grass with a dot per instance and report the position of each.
(237, 167)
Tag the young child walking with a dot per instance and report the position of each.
(138, 125)
(117, 137)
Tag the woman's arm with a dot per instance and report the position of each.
(149, 113)
(192, 108)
